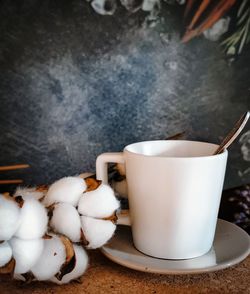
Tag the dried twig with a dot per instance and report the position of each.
(198, 25)
(8, 182)
(13, 167)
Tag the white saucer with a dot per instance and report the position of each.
(231, 246)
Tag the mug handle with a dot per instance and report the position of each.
(102, 174)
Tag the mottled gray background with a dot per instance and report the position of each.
(74, 84)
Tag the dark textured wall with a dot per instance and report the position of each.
(74, 84)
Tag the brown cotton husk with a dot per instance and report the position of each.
(29, 277)
(113, 218)
(42, 188)
(70, 261)
(92, 184)
(68, 247)
(50, 211)
(8, 268)
(19, 200)
(7, 196)
(47, 236)
(84, 241)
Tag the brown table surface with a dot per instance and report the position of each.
(104, 276)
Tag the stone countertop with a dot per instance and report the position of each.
(104, 276)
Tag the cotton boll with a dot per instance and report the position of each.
(97, 231)
(51, 259)
(104, 7)
(26, 253)
(217, 30)
(80, 266)
(67, 190)
(9, 217)
(66, 221)
(33, 220)
(29, 193)
(99, 203)
(5, 253)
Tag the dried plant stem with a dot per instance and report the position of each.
(13, 167)
(8, 182)
(203, 19)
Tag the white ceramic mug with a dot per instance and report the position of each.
(174, 192)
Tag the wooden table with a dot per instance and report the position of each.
(104, 276)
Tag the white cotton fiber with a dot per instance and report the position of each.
(66, 221)
(97, 231)
(51, 259)
(5, 253)
(26, 253)
(66, 190)
(98, 203)
(9, 218)
(80, 267)
(33, 220)
(29, 193)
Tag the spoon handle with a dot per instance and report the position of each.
(233, 134)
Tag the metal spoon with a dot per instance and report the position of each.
(233, 134)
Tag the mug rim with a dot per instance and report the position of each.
(222, 154)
